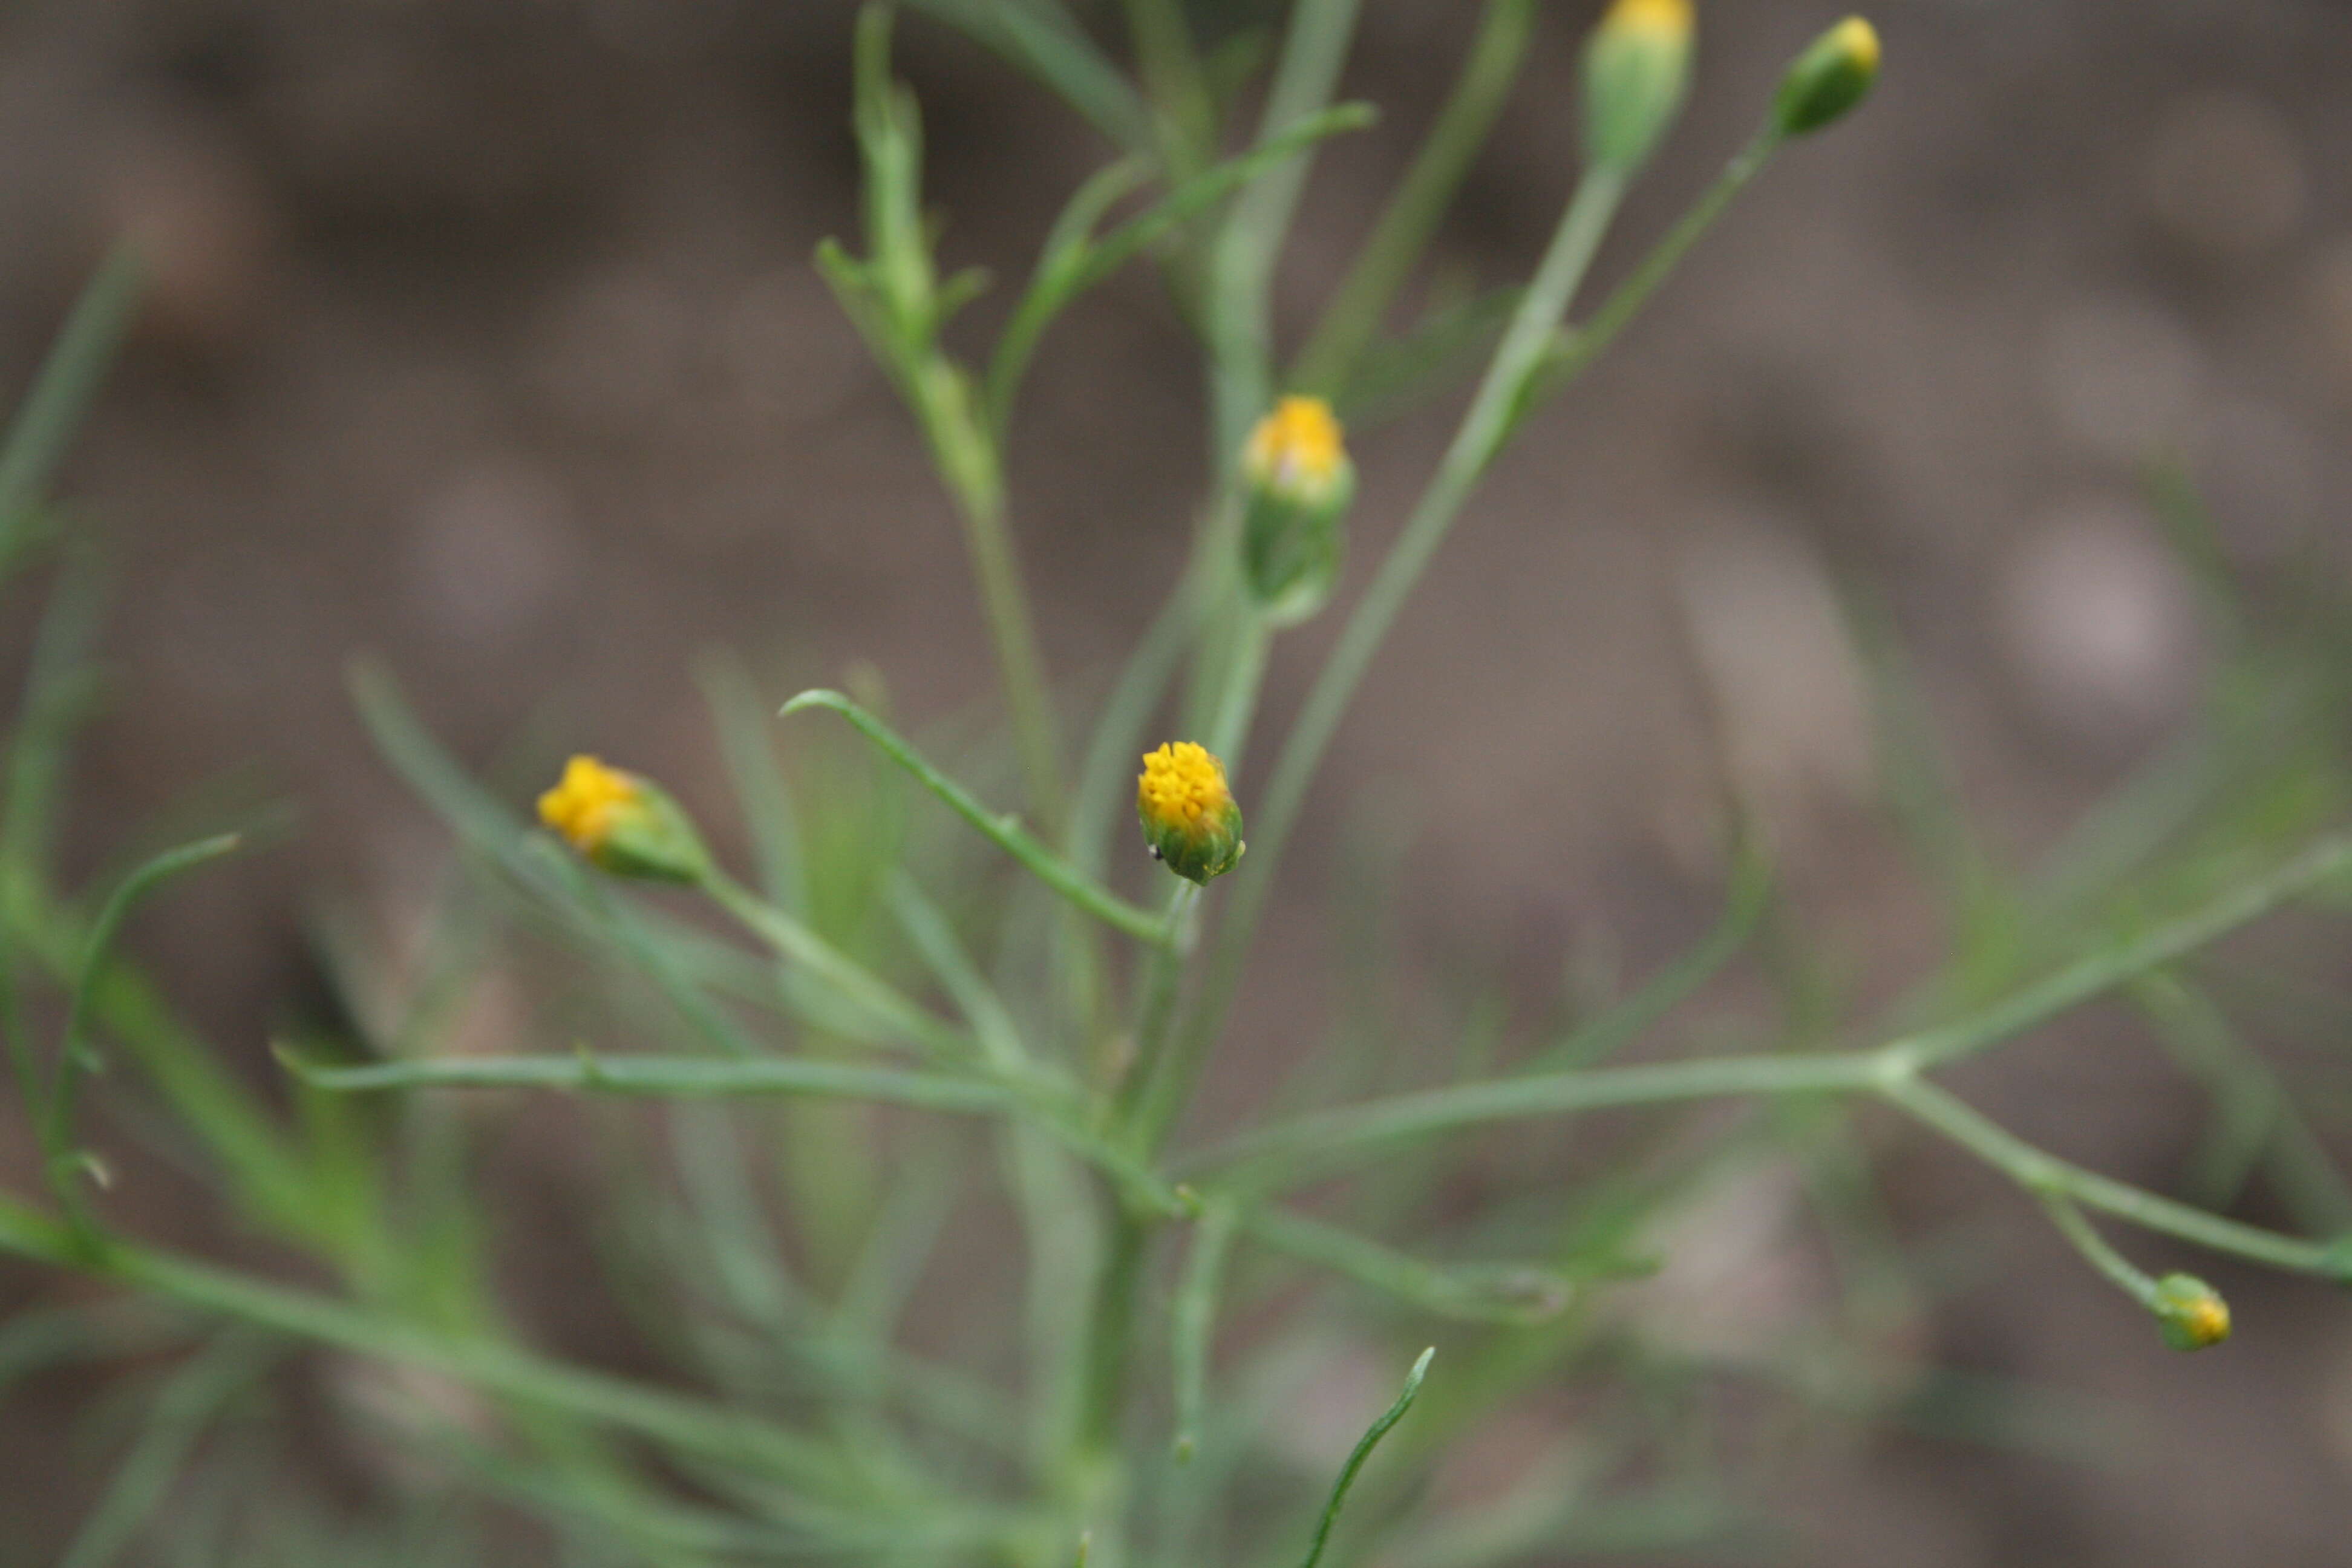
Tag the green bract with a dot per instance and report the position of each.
(1636, 70)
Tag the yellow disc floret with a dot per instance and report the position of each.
(2192, 1313)
(1189, 815)
(1299, 447)
(2208, 1322)
(589, 801)
(1858, 40)
(1299, 482)
(1670, 17)
(1181, 783)
(623, 824)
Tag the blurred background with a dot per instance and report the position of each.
(483, 337)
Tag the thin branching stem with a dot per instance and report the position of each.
(1005, 831)
(1352, 319)
(1364, 1446)
(1475, 444)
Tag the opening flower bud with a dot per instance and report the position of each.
(1636, 69)
(1187, 813)
(2190, 1312)
(623, 824)
(1829, 78)
(1300, 482)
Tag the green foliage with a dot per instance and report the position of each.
(917, 1026)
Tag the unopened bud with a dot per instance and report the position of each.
(2190, 1312)
(1829, 78)
(623, 824)
(1300, 482)
(1636, 68)
(1187, 813)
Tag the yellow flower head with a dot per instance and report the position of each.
(2190, 1312)
(1670, 19)
(1858, 41)
(1181, 783)
(1300, 485)
(1298, 448)
(1189, 815)
(590, 802)
(1824, 83)
(623, 824)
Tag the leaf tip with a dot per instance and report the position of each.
(815, 697)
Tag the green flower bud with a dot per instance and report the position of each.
(1187, 813)
(2190, 1312)
(624, 825)
(1637, 67)
(1829, 78)
(1300, 484)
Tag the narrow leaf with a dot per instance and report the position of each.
(1005, 831)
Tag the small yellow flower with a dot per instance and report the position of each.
(1300, 481)
(623, 824)
(1298, 448)
(2190, 1312)
(1858, 41)
(1833, 74)
(1189, 815)
(589, 801)
(1669, 19)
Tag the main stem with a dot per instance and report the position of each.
(1484, 427)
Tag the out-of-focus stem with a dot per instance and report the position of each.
(1491, 415)
(1353, 317)
(1241, 266)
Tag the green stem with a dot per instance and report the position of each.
(1163, 979)
(2256, 1118)
(1352, 319)
(1106, 777)
(1193, 1320)
(2078, 982)
(1481, 435)
(1582, 345)
(1173, 75)
(1474, 1293)
(1104, 1403)
(2095, 1249)
(1005, 831)
(1356, 1127)
(1627, 1020)
(1241, 266)
(56, 1124)
(686, 1424)
(668, 1077)
(1245, 679)
(798, 945)
(1379, 1429)
(2041, 1174)
(1037, 1102)
(233, 1126)
(61, 394)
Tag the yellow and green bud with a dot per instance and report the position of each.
(2190, 1312)
(1833, 74)
(1636, 69)
(1299, 482)
(1187, 813)
(623, 824)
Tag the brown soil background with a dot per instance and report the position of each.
(485, 339)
